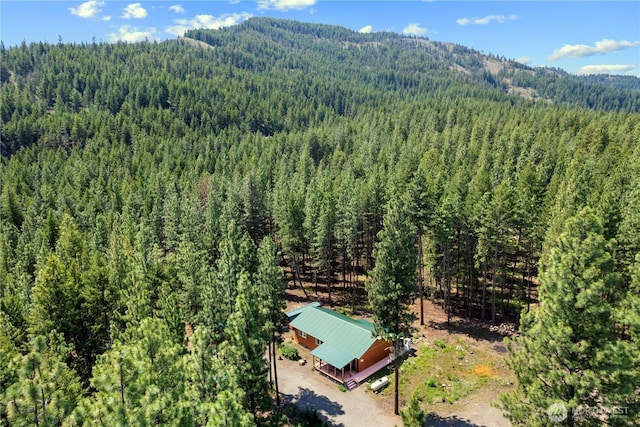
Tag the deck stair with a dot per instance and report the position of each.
(350, 384)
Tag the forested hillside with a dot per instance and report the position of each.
(149, 190)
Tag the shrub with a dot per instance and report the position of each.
(289, 352)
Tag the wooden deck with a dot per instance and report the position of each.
(328, 370)
(361, 376)
(353, 379)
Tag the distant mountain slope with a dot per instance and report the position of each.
(265, 75)
(393, 61)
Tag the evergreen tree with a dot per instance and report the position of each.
(192, 273)
(392, 288)
(202, 372)
(10, 210)
(422, 205)
(212, 389)
(570, 353)
(46, 390)
(139, 381)
(347, 232)
(271, 288)
(64, 298)
(629, 316)
(228, 412)
(236, 258)
(414, 415)
(9, 355)
(245, 346)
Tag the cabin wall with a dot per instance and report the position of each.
(308, 342)
(378, 351)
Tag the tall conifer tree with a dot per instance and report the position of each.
(570, 356)
(393, 285)
(245, 346)
(271, 287)
(46, 390)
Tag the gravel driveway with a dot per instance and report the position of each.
(309, 389)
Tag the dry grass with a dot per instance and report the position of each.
(446, 370)
(484, 371)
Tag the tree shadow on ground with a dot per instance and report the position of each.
(308, 399)
(434, 420)
(475, 330)
(293, 297)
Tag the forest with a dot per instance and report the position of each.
(157, 198)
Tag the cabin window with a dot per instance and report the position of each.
(302, 334)
(318, 342)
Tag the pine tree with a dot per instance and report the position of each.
(46, 390)
(347, 232)
(629, 316)
(271, 287)
(229, 267)
(228, 412)
(63, 298)
(414, 415)
(245, 346)
(139, 381)
(212, 390)
(571, 353)
(10, 210)
(421, 205)
(9, 355)
(392, 288)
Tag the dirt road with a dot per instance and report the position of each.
(473, 410)
(309, 389)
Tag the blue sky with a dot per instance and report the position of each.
(581, 37)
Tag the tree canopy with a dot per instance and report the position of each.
(138, 180)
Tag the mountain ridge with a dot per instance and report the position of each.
(269, 75)
(606, 92)
(509, 76)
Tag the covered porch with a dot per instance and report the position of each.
(348, 374)
(342, 375)
(333, 362)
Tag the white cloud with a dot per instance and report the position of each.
(606, 69)
(177, 8)
(524, 60)
(134, 11)
(87, 9)
(602, 46)
(127, 33)
(206, 21)
(285, 4)
(366, 29)
(414, 30)
(486, 20)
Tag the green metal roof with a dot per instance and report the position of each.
(333, 355)
(293, 313)
(343, 339)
